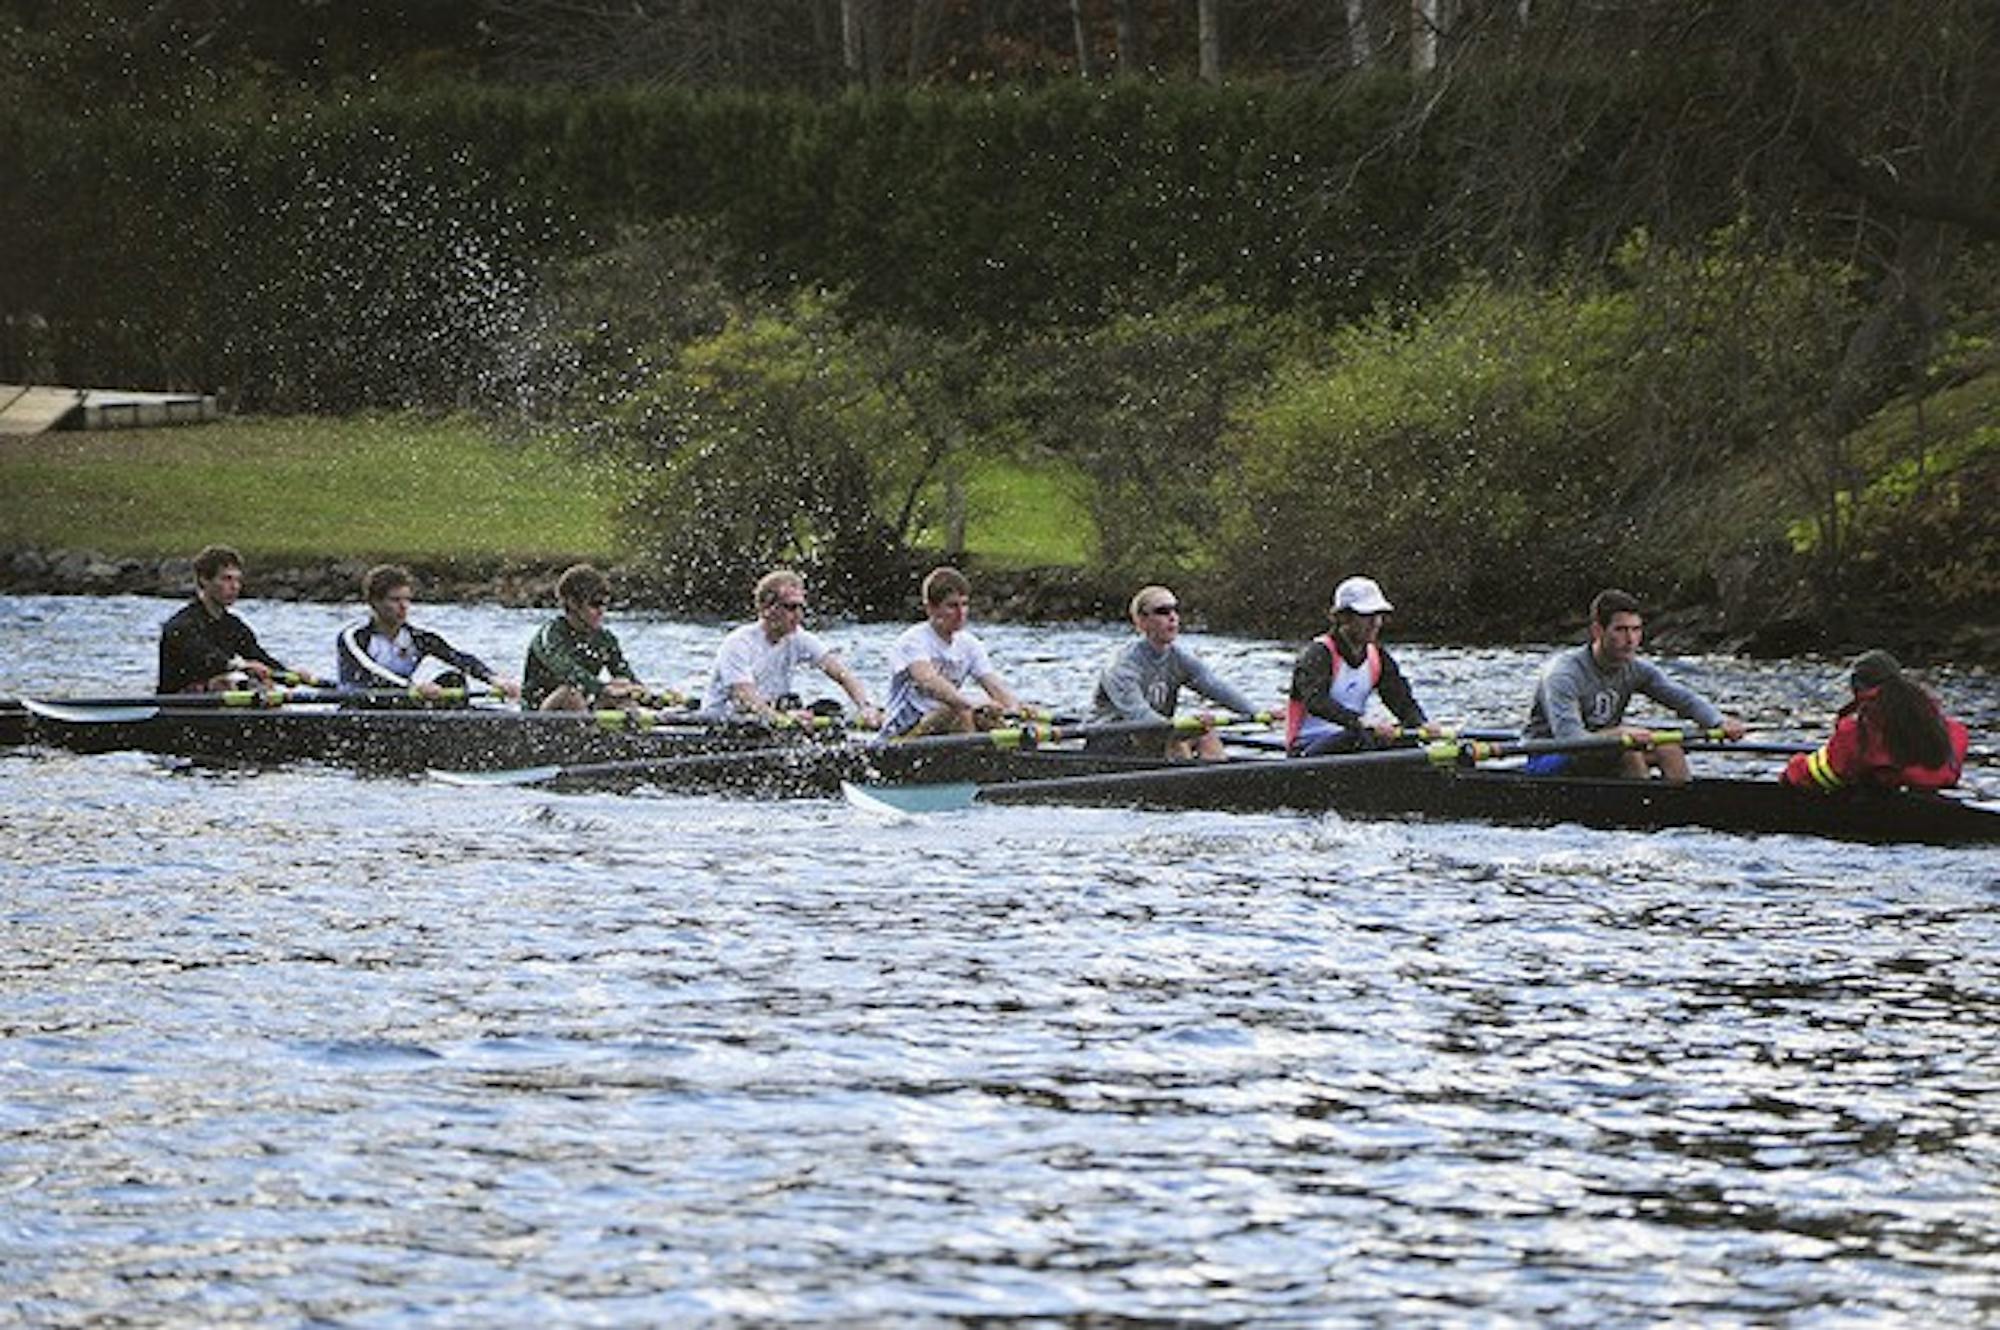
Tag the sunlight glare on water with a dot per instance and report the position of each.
(293, 1045)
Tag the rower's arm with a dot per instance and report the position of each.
(1678, 697)
(836, 669)
(996, 688)
(1216, 689)
(1396, 695)
(930, 681)
(1562, 706)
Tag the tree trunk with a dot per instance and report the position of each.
(923, 36)
(851, 55)
(1424, 25)
(1209, 22)
(1086, 66)
(1360, 49)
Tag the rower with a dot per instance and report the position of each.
(1338, 672)
(385, 651)
(752, 675)
(1141, 681)
(204, 647)
(1584, 690)
(574, 661)
(931, 661)
(1892, 734)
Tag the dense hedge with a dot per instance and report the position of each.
(384, 251)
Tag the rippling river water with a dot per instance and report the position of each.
(296, 1047)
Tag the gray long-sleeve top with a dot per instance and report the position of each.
(1575, 696)
(1140, 681)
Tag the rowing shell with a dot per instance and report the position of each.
(1502, 796)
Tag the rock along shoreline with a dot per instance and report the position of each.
(1009, 595)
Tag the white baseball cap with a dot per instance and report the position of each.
(1361, 596)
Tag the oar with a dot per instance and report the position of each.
(1409, 734)
(903, 799)
(1010, 739)
(648, 718)
(127, 710)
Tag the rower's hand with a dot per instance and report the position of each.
(1733, 729)
(1638, 735)
(507, 688)
(429, 691)
(1205, 719)
(256, 669)
(1386, 730)
(624, 690)
(870, 716)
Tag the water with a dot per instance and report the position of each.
(294, 1047)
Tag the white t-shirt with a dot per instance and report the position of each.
(960, 659)
(748, 656)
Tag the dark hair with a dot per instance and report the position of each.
(383, 578)
(943, 583)
(1908, 719)
(213, 559)
(580, 584)
(1611, 602)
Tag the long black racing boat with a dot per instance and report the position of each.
(1498, 795)
(377, 740)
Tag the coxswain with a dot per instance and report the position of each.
(1584, 690)
(574, 661)
(1893, 734)
(204, 647)
(752, 674)
(385, 651)
(1339, 671)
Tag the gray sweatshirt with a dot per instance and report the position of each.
(1575, 696)
(1140, 681)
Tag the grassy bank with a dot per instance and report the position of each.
(399, 488)
(378, 488)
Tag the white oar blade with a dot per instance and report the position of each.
(87, 715)
(514, 776)
(899, 801)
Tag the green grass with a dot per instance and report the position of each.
(386, 487)
(1021, 515)
(404, 488)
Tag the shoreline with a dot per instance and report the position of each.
(1008, 595)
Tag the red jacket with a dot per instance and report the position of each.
(1858, 755)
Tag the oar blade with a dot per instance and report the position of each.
(901, 801)
(89, 715)
(511, 776)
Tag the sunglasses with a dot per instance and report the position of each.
(1163, 610)
(598, 604)
(798, 605)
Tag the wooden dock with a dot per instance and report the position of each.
(33, 409)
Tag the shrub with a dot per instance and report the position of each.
(786, 438)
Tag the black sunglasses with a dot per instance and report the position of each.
(1163, 610)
